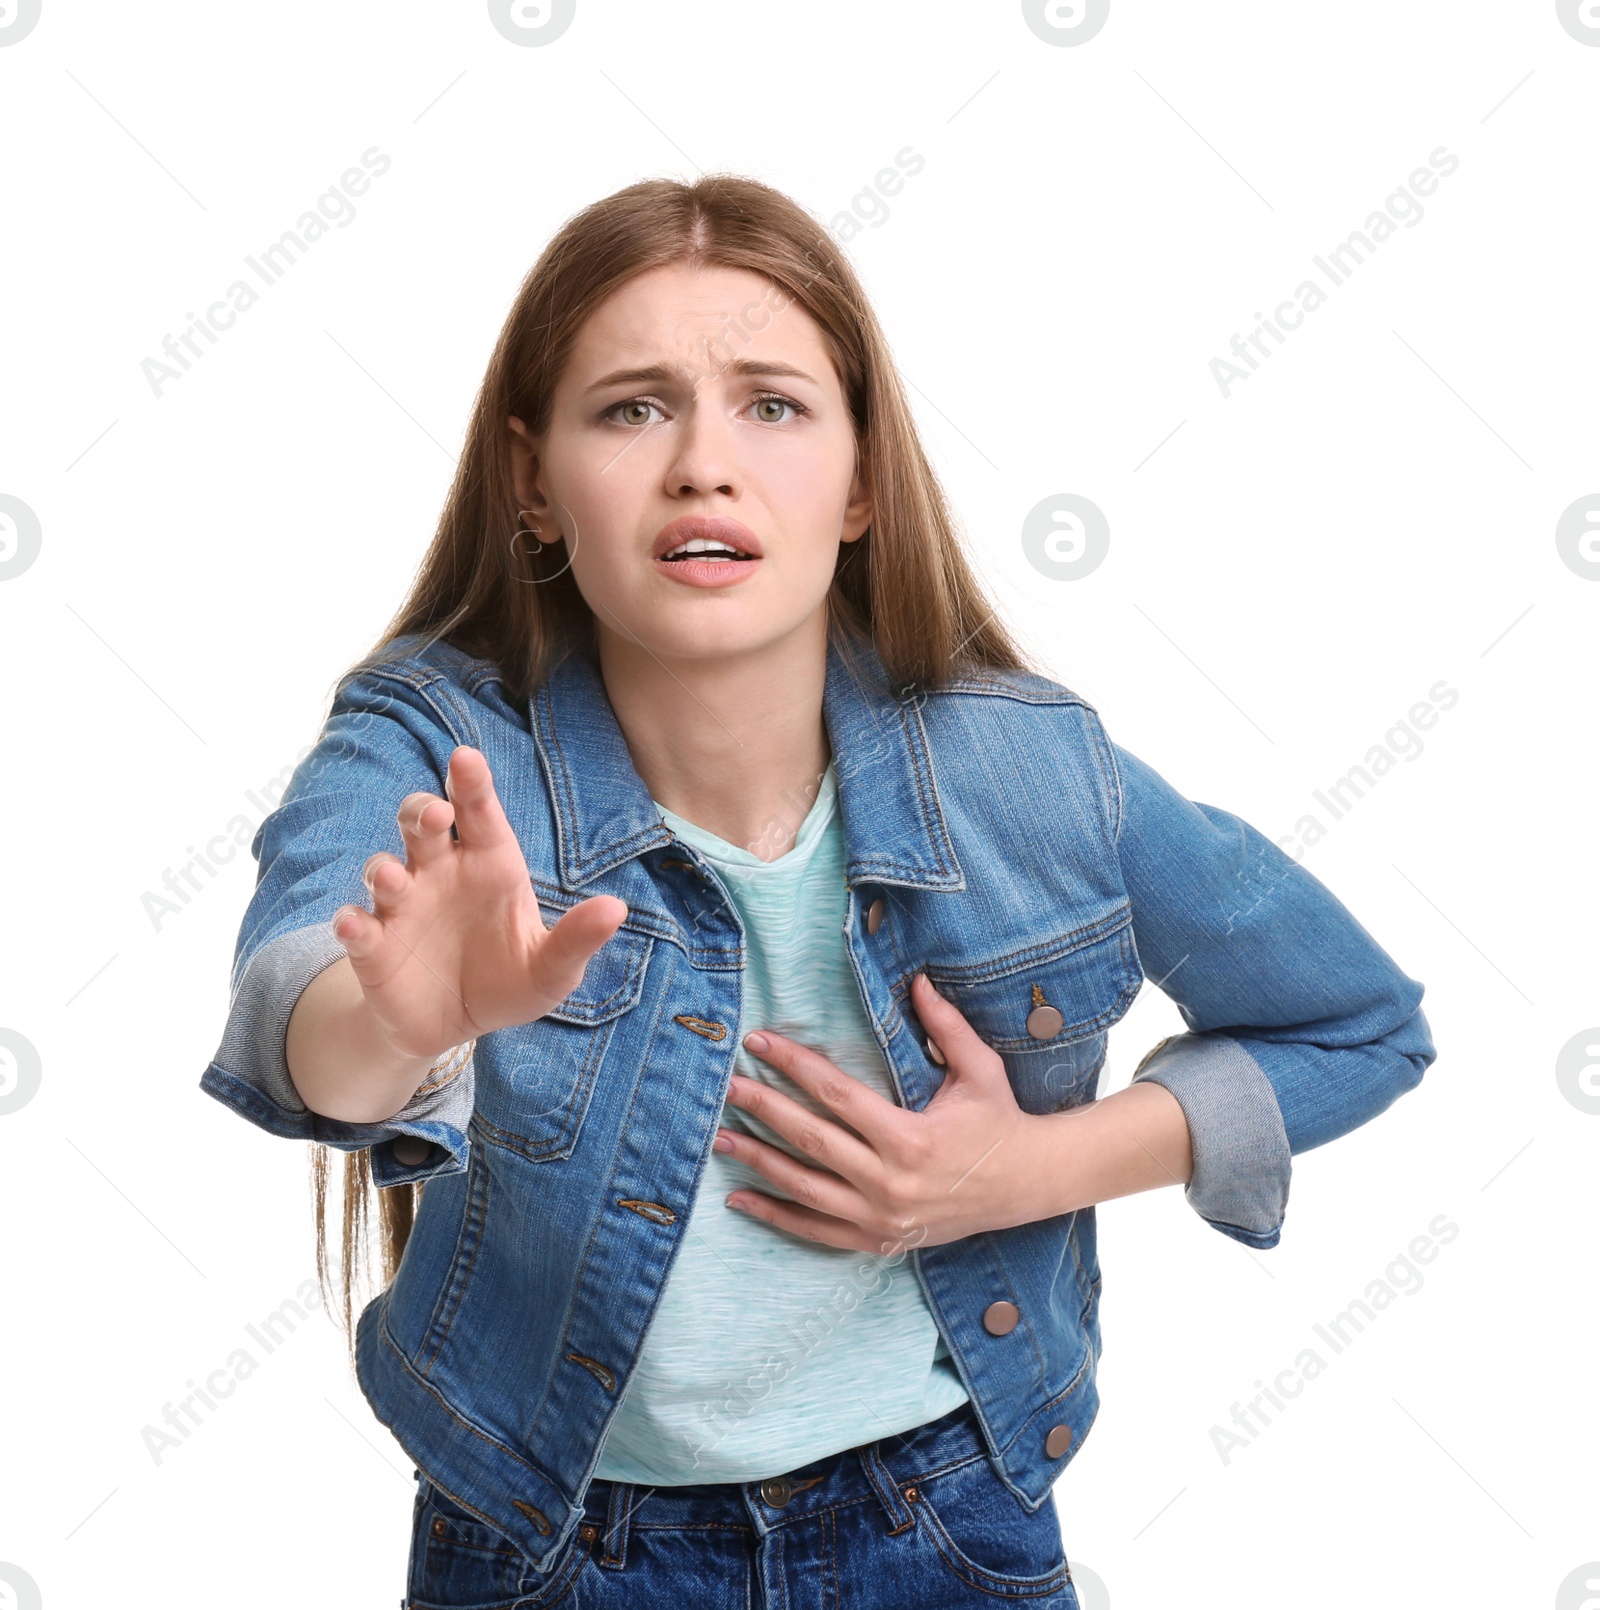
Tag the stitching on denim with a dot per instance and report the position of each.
(1108, 759)
(632, 982)
(927, 793)
(545, 706)
(493, 1550)
(1057, 948)
(691, 1526)
(541, 1521)
(423, 686)
(886, 1490)
(971, 684)
(596, 1369)
(578, 1557)
(465, 1424)
(830, 1538)
(1071, 1033)
(921, 1478)
(629, 847)
(702, 1026)
(1084, 1373)
(778, 1542)
(803, 1516)
(969, 1570)
(595, 1230)
(638, 921)
(599, 1037)
(1024, 1322)
(474, 1219)
(448, 1074)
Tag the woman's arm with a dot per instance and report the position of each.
(341, 1062)
(383, 740)
(1301, 1026)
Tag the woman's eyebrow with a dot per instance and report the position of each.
(666, 372)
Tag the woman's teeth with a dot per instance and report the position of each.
(703, 548)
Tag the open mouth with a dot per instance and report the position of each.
(705, 548)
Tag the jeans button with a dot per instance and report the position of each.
(777, 1491)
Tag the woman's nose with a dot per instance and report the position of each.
(705, 456)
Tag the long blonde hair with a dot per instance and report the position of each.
(905, 586)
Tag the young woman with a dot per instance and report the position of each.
(703, 927)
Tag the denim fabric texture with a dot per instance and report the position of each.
(1024, 860)
(913, 1520)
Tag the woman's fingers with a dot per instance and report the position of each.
(828, 1143)
(385, 874)
(868, 1113)
(564, 952)
(479, 817)
(357, 930)
(425, 827)
(965, 1051)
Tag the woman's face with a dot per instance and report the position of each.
(675, 408)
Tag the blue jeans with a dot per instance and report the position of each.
(919, 1519)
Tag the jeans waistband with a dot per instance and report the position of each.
(875, 1471)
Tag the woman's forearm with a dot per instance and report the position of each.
(1134, 1140)
(339, 1060)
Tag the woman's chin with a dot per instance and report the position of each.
(707, 626)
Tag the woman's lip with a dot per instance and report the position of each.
(707, 572)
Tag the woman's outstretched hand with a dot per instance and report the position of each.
(455, 945)
(971, 1160)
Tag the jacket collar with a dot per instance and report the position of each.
(893, 826)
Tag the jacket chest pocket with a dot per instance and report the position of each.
(535, 1081)
(1046, 1010)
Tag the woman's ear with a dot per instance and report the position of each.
(525, 467)
(858, 511)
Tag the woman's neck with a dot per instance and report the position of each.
(735, 744)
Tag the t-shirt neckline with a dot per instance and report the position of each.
(722, 851)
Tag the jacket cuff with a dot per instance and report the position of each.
(250, 1071)
(1240, 1183)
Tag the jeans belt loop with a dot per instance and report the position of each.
(614, 1542)
(883, 1484)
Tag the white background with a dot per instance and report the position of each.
(1371, 512)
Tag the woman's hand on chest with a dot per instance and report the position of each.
(885, 1177)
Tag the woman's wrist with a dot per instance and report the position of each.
(340, 1059)
(1133, 1140)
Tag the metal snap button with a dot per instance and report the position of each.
(438, 1526)
(411, 1150)
(875, 915)
(777, 1491)
(1045, 1022)
(1001, 1318)
(1059, 1440)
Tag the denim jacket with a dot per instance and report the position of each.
(1036, 870)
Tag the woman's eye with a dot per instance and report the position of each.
(636, 410)
(632, 404)
(775, 402)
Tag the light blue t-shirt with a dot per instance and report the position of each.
(768, 1351)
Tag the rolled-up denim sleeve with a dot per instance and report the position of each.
(1301, 1027)
(384, 738)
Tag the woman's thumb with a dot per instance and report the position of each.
(577, 934)
(964, 1052)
